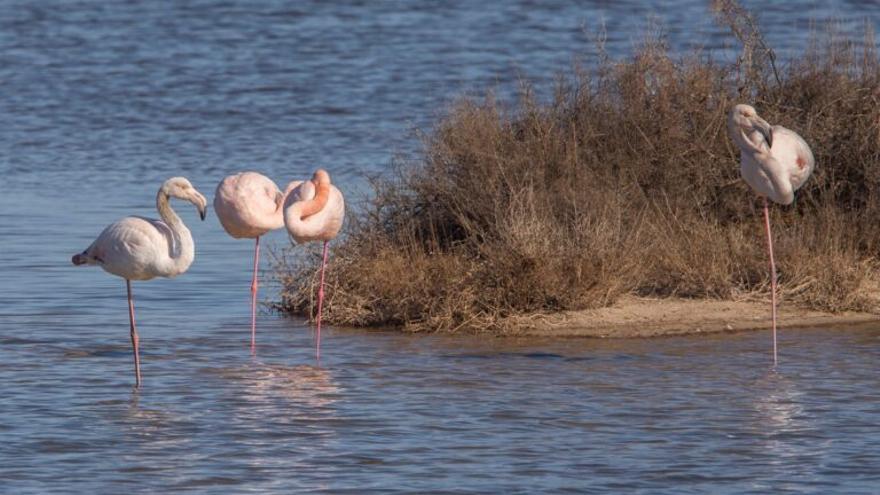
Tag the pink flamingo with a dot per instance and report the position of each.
(775, 162)
(313, 211)
(138, 248)
(248, 205)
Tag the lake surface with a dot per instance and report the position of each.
(102, 101)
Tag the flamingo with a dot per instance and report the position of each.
(313, 211)
(138, 248)
(248, 205)
(775, 162)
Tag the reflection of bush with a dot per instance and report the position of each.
(306, 385)
(626, 182)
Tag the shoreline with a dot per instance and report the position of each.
(637, 317)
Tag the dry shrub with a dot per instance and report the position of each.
(822, 265)
(625, 182)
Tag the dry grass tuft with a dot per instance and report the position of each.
(626, 182)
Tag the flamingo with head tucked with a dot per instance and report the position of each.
(248, 205)
(775, 162)
(138, 248)
(313, 211)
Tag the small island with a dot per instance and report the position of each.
(615, 208)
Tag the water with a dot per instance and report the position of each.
(104, 100)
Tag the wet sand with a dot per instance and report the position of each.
(634, 317)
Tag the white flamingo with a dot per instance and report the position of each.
(775, 162)
(314, 211)
(138, 248)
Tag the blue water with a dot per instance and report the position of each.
(101, 101)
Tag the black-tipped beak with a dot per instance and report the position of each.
(203, 212)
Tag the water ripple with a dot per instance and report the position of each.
(103, 100)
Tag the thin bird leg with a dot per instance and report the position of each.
(135, 341)
(320, 303)
(772, 275)
(254, 296)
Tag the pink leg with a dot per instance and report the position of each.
(254, 296)
(772, 276)
(135, 341)
(320, 303)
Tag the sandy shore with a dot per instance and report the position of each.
(640, 317)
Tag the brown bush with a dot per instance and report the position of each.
(626, 182)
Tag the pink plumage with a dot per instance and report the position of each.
(314, 211)
(248, 205)
(308, 215)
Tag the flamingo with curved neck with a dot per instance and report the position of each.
(138, 248)
(314, 211)
(249, 205)
(775, 162)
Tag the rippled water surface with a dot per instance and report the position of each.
(101, 101)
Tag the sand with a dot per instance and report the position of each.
(634, 317)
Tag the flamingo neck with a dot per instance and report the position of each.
(755, 144)
(280, 200)
(316, 204)
(181, 250)
(167, 213)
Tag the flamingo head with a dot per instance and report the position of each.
(743, 122)
(180, 187)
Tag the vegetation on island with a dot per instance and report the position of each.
(625, 182)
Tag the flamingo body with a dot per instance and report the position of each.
(778, 171)
(248, 205)
(137, 248)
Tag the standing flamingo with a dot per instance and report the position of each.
(138, 248)
(313, 211)
(248, 205)
(775, 162)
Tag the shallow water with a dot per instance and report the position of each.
(103, 100)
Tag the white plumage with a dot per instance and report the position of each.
(778, 171)
(138, 248)
(775, 162)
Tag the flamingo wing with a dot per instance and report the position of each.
(135, 248)
(794, 154)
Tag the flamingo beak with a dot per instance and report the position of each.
(202, 205)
